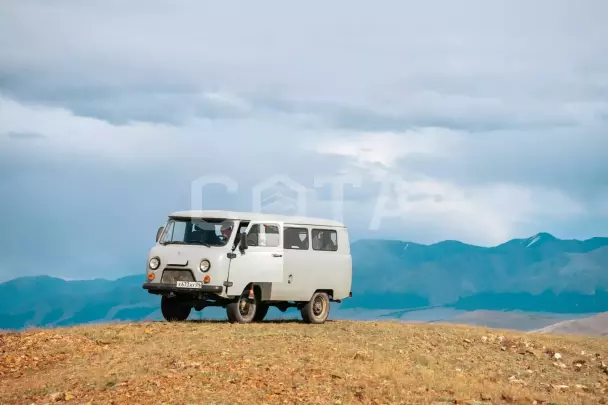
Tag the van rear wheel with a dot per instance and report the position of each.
(173, 310)
(317, 309)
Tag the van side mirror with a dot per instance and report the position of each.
(243, 241)
(159, 232)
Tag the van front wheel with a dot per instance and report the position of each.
(242, 310)
(173, 310)
(317, 309)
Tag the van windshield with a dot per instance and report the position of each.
(197, 231)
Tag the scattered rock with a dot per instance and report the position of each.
(360, 356)
(514, 380)
(467, 340)
(557, 356)
(528, 351)
(486, 397)
(582, 387)
(57, 397)
(559, 364)
(559, 387)
(484, 339)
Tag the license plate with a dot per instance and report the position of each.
(190, 284)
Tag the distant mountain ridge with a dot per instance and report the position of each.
(538, 274)
(445, 272)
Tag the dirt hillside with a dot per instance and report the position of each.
(341, 362)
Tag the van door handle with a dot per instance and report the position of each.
(277, 255)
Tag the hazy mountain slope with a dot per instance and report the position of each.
(596, 325)
(49, 301)
(504, 320)
(448, 271)
(547, 301)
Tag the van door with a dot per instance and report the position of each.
(262, 261)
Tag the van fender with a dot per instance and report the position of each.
(329, 292)
(260, 290)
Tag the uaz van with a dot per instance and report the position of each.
(247, 262)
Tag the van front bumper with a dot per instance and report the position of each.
(163, 287)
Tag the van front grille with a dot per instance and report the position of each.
(171, 276)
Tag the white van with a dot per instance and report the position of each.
(247, 262)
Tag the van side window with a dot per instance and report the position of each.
(324, 239)
(296, 238)
(267, 236)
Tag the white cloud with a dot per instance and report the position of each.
(387, 148)
(480, 213)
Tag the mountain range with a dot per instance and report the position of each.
(540, 274)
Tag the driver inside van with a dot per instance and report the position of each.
(225, 232)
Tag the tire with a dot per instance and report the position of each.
(173, 310)
(260, 312)
(243, 310)
(317, 309)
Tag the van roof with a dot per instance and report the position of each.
(256, 216)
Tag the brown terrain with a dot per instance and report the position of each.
(339, 362)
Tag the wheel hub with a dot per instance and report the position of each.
(245, 306)
(317, 307)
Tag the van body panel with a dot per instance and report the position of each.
(261, 262)
(307, 270)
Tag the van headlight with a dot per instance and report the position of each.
(154, 263)
(204, 265)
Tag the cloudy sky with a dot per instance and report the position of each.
(471, 120)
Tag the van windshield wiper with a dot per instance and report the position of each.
(172, 242)
(198, 242)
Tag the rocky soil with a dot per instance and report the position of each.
(341, 362)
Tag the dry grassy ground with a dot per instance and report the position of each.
(292, 363)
